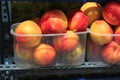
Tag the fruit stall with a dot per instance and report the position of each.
(61, 40)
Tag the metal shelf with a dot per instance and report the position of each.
(8, 68)
(86, 69)
(9, 64)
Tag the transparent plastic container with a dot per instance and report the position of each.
(65, 56)
(104, 53)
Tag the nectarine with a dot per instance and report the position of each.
(93, 10)
(77, 21)
(44, 54)
(23, 53)
(101, 32)
(54, 21)
(26, 31)
(36, 20)
(111, 53)
(117, 31)
(66, 43)
(111, 12)
(75, 55)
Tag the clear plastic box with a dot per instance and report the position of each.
(25, 58)
(104, 54)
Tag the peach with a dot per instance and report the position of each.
(44, 54)
(93, 10)
(100, 32)
(66, 43)
(117, 36)
(24, 30)
(111, 12)
(54, 21)
(77, 21)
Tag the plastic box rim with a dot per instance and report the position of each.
(56, 34)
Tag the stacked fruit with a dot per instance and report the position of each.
(105, 29)
(42, 39)
(57, 34)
